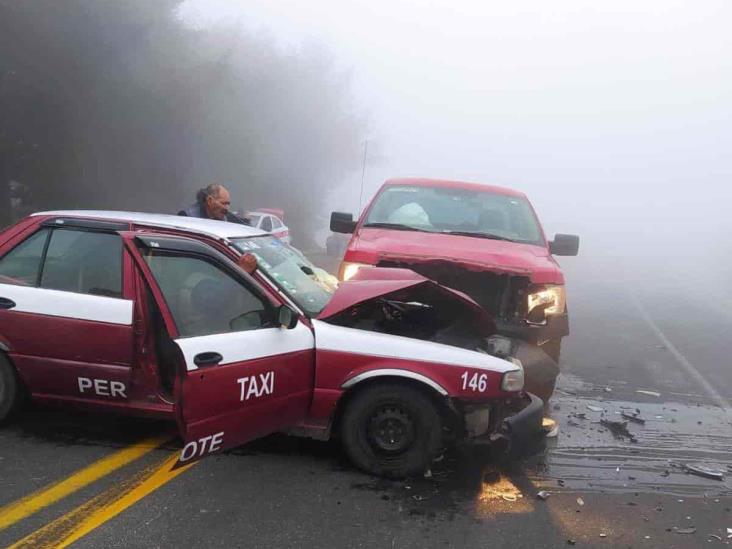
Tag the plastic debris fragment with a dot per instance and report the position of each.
(648, 393)
(633, 418)
(706, 472)
(592, 408)
(686, 531)
(580, 502)
(619, 429)
(543, 495)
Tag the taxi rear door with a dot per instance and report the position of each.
(241, 374)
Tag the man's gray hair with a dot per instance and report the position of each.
(210, 190)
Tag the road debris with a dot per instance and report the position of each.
(715, 536)
(686, 531)
(543, 495)
(580, 502)
(633, 418)
(603, 535)
(608, 389)
(428, 473)
(729, 533)
(648, 393)
(510, 497)
(592, 408)
(703, 471)
(571, 542)
(619, 429)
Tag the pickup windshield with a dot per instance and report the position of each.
(456, 211)
(308, 286)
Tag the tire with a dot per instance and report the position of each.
(391, 430)
(553, 348)
(9, 389)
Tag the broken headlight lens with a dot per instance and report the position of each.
(514, 380)
(348, 270)
(544, 302)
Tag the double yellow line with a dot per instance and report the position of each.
(95, 512)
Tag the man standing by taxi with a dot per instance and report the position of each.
(213, 202)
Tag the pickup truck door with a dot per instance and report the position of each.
(240, 374)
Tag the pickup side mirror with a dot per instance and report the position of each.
(565, 244)
(286, 317)
(341, 222)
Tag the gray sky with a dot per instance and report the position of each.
(615, 117)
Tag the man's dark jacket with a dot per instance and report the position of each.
(199, 211)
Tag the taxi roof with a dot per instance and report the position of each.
(209, 227)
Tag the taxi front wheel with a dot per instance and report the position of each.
(8, 388)
(391, 430)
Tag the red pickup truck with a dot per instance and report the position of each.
(483, 240)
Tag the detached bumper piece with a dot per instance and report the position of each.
(524, 430)
(518, 431)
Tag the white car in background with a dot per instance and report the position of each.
(269, 223)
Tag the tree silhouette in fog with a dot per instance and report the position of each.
(119, 105)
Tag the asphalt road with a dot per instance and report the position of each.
(105, 482)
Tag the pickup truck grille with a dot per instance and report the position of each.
(500, 294)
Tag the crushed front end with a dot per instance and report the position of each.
(511, 426)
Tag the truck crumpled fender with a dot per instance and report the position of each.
(540, 370)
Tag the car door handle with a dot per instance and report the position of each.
(207, 359)
(6, 303)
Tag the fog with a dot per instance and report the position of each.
(615, 117)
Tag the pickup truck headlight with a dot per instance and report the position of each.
(544, 302)
(348, 270)
(513, 381)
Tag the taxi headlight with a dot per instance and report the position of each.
(513, 381)
(544, 302)
(348, 270)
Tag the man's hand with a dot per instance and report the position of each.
(248, 262)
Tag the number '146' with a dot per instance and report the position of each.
(476, 382)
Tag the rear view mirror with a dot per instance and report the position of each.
(565, 244)
(286, 317)
(341, 222)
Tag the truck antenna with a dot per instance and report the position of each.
(363, 173)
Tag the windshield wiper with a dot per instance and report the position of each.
(489, 236)
(396, 226)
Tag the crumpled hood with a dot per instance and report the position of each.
(376, 283)
(535, 262)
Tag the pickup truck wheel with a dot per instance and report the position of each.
(8, 388)
(553, 348)
(391, 430)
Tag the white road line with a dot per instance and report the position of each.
(681, 359)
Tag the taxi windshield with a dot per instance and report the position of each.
(308, 286)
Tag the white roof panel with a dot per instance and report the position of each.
(221, 229)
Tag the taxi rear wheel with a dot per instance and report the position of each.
(391, 430)
(8, 388)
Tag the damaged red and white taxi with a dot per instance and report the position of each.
(150, 315)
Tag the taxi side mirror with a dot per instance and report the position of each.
(286, 317)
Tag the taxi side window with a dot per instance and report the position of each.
(86, 262)
(266, 223)
(22, 264)
(203, 298)
(276, 224)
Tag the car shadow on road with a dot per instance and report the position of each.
(77, 428)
